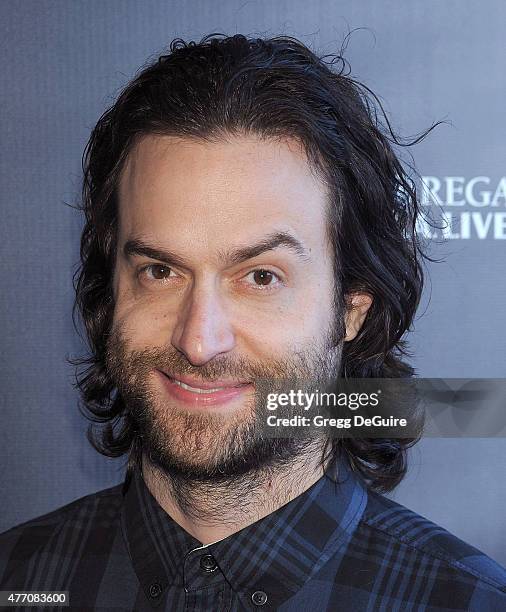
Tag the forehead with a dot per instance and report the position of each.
(228, 191)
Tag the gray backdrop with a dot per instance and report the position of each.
(62, 62)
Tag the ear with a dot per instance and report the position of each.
(357, 305)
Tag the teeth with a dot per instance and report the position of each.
(194, 389)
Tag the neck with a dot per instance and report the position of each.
(213, 511)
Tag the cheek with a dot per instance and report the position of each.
(284, 328)
(145, 320)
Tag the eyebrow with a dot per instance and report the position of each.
(136, 246)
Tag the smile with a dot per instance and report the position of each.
(206, 397)
(196, 389)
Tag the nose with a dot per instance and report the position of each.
(203, 329)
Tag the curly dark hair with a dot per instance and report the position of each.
(273, 87)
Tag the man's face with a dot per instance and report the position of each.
(240, 287)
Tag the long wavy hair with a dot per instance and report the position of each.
(273, 87)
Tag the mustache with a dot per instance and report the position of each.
(175, 364)
(293, 364)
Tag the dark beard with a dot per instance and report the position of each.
(192, 450)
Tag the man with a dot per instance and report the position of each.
(246, 219)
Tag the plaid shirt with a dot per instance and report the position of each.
(336, 547)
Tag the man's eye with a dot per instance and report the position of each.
(263, 278)
(156, 272)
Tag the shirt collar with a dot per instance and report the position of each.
(276, 554)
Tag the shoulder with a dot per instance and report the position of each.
(61, 530)
(401, 538)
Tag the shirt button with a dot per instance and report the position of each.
(155, 590)
(259, 598)
(207, 563)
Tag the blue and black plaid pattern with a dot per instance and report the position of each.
(336, 547)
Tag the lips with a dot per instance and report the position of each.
(216, 394)
(196, 389)
(202, 385)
